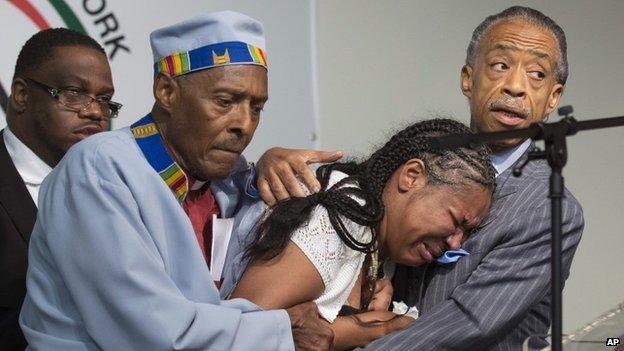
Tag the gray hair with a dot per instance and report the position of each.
(531, 16)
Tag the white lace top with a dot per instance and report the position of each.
(338, 265)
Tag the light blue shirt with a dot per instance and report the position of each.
(505, 159)
(114, 263)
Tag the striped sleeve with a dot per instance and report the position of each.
(510, 280)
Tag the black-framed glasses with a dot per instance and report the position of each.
(78, 101)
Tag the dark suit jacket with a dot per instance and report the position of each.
(17, 218)
(499, 295)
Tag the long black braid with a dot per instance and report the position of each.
(274, 230)
(366, 182)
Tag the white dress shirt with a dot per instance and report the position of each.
(30, 167)
(505, 159)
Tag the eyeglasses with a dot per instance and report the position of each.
(78, 101)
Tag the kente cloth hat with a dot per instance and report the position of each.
(207, 41)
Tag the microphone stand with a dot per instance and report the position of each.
(555, 152)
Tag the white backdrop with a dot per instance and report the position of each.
(289, 116)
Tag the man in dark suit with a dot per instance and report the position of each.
(498, 296)
(60, 94)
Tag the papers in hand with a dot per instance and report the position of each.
(221, 233)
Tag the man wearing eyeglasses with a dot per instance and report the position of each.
(60, 94)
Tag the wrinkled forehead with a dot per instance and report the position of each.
(467, 199)
(232, 74)
(475, 199)
(519, 34)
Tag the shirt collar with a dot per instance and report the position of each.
(30, 167)
(153, 148)
(504, 159)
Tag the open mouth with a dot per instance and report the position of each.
(425, 252)
(508, 117)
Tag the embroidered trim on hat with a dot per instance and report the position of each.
(147, 137)
(221, 59)
(227, 53)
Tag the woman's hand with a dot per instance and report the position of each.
(382, 297)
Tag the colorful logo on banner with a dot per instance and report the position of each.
(105, 22)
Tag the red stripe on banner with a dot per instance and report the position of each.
(31, 12)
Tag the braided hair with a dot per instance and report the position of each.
(449, 167)
(366, 180)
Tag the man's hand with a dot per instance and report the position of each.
(310, 331)
(360, 329)
(382, 297)
(278, 169)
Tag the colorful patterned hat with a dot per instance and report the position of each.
(207, 41)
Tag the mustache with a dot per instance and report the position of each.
(236, 146)
(510, 104)
(90, 127)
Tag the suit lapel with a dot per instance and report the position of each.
(506, 184)
(14, 196)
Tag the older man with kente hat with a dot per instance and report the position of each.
(133, 224)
